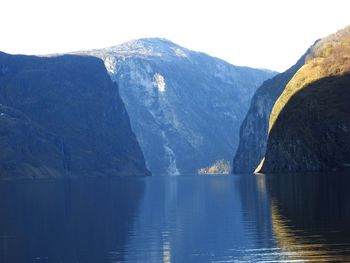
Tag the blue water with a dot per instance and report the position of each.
(236, 218)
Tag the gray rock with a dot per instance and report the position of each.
(185, 107)
(312, 133)
(309, 123)
(254, 129)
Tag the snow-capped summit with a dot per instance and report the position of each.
(144, 47)
(185, 107)
(140, 48)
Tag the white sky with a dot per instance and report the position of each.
(269, 34)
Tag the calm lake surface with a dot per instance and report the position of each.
(280, 218)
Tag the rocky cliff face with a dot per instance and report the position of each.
(310, 122)
(312, 132)
(254, 129)
(62, 116)
(185, 107)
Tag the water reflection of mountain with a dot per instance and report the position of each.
(200, 219)
(255, 201)
(311, 215)
(66, 221)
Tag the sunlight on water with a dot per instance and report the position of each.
(221, 219)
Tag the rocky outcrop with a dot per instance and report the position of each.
(185, 107)
(254, 129)
(309, 126)
(62, 116)
(219, 167)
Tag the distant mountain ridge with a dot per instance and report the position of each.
(185, 107)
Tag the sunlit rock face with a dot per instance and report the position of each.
(185, 107)
(309, 127)
(219, 167)
(254, 129)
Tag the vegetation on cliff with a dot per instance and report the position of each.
(328, 57)
(310, 122)
(63, 116)
(254, 129)
(219, 167)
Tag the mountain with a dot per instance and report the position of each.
(185, 107)
(63, 116)
(254, 129)
(309, 127)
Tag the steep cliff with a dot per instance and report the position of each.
(62, 116)
(254, 129)
(185, 107)
(310, 122)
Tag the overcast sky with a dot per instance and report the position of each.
(269, 34)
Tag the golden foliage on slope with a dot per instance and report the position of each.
(329, 57)
(219, 167)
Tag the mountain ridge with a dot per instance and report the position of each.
(153, 46)
(178, 100)
(255, 126)
(313, 111)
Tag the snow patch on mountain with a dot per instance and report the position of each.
(132, 49)
(159, 82)
(179, 52)
(110, 64)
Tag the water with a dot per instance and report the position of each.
(282, 218)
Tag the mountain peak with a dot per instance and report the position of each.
(143, 47)
(152, 41)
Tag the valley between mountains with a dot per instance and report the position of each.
(150, 106)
